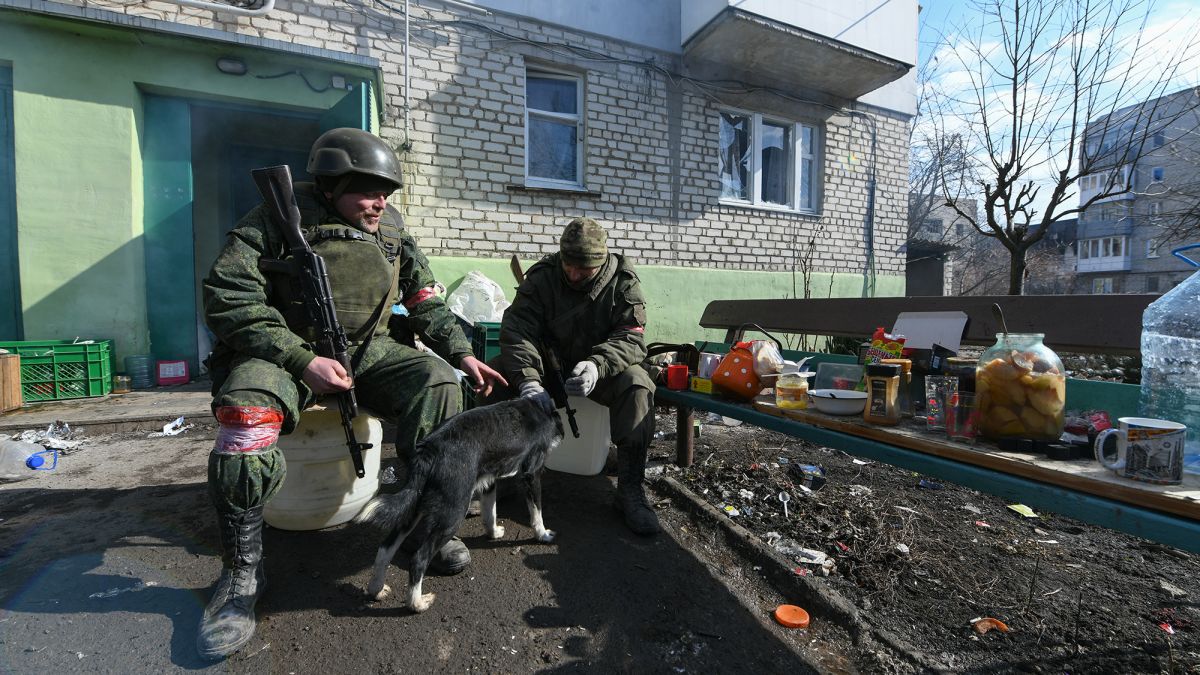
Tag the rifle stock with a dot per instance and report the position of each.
(275, 185)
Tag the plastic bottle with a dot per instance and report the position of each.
(1171, 361)
(18, 459)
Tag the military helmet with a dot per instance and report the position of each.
(343, 151)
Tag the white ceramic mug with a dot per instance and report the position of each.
(1148, 450)
(708, 365)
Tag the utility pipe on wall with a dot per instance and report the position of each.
(266, 7)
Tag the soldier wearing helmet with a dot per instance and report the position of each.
(264, 371)
(587, 304)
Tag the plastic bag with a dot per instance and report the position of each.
(478, 298)
(767, 359)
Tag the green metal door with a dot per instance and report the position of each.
(197, 157)
(10, 276)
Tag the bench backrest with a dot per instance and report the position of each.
(1101, 324)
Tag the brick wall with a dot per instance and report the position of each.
(651, 147)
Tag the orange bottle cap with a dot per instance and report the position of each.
(791, 616)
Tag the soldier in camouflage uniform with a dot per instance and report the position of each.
(587, 305)
(264, 371)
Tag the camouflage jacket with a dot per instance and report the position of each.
(241, 305)
(604, 323)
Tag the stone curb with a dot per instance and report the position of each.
(202, 419)
(778, 572)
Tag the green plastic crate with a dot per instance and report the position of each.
(485, 340)
(53, 370)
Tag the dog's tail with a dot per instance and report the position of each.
(387, 511)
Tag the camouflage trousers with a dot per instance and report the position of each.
(629, 397)
(414, 390)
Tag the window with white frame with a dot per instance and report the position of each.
(1151, 248)
(553, 129)
(1102, 247)
(1102, 285)
(1155, 208)
(767, 162)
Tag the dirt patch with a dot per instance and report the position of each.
(922, 558)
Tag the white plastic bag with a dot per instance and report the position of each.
(767, 359)
(478, 298)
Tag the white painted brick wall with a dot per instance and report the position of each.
(467, 132)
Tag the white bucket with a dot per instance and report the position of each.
(584, 455)
(320, 489)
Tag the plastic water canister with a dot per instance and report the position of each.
(18, 460)
(140, 369)
(320, 489)
(584, 455)
(1171, 361)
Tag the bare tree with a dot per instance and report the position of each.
(1040, 73)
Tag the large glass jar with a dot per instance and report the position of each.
(1020, 389)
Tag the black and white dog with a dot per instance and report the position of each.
(466, 453)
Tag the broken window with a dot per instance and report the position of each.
(735, 156)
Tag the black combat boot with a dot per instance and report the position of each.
(228, 622)
(631, 471)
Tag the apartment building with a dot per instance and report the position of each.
(713, 137)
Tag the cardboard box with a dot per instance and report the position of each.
(702, 385)
(10, 382)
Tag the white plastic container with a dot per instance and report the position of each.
(320, 489)
(584, 455)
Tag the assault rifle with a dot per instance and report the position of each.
(556, 385)
(275, 184)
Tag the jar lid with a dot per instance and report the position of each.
(884, 370)
(905, 364)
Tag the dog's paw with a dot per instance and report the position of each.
(423, 603)
(546, 536)
(497, 532)
(383, 593)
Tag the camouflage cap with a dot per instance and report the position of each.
(584, 243)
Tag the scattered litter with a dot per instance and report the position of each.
(58, 435)
(986, 623)
(845, 548)
(1057, 590)
(794, 550)
(929, 484)
(1167, 627)
(808, 475)
(729, 510)
(791, 616)
(783, 460)
(1047, 541)
(1172, 590)
(730, 422)
(784, 498)
(972, 508)
(800, 571)
(388, 475)
(1023, 510)
(772, 537)
(905, 508)
(173, 429)
(746, 494)
(860, 462)
(980, 523)
(140, 585)
(860, 491)
(902, 548)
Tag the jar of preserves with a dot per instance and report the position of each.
(1020, 389)
(791, 391)
(883, 394)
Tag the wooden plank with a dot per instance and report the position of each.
(10, 382)
(1181, 500)
(1104, 324)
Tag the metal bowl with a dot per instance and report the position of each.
(838, 401)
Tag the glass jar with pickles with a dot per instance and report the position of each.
(1020, 388)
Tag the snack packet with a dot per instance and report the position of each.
(884, 346)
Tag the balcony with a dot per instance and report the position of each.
(850, 50)
(1108, 264)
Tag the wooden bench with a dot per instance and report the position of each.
(1098, 324)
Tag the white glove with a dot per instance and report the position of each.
(583, 379)
(530, 388)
